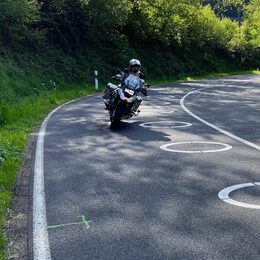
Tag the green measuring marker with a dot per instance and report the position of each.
(84, 222)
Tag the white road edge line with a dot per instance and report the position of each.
(182, 103)
(41, 247)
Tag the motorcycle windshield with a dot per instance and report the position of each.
(132, 82)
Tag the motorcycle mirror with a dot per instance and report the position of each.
(117, 77)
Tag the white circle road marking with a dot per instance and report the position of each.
(211, 125)
(166, 147)
(170, 124)
(223, 195)
(161, 102)
(158, 109)
(170, 111)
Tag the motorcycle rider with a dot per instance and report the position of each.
(122, 101)
(133, 67)
(132, 75)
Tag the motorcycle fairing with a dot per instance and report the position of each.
(132, 82)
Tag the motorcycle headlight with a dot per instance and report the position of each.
(129, 91)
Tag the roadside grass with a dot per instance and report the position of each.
(203, 76)
(16, 122)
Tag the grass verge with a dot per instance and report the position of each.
(203, 76)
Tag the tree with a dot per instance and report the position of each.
(232, 8)
(252, 28)
(169, 21)
(71, 23)
(18, 19)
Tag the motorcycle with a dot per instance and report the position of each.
(122, 101)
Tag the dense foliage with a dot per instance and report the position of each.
(71, 38)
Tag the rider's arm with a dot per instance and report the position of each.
(126, 71)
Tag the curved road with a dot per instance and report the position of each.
(118, 195)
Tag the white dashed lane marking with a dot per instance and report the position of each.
(182, 103)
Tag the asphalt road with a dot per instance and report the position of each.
(118, 195)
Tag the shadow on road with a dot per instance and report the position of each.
(145, 203)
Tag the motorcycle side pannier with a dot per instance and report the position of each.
(109, 94)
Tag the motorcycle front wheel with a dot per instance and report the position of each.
(117, 115)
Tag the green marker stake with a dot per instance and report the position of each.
(84, 222)
(64, 225)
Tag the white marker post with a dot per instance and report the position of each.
(96, 79)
